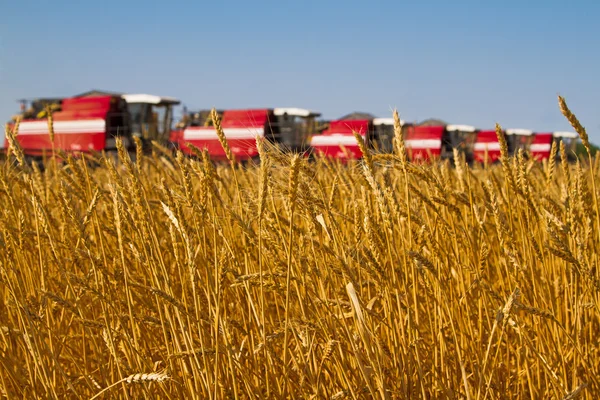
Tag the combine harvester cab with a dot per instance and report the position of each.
(519, 139)
(382, 140)
(338, 141)
(92, 123)
(287, 128)
(437, 142)
(570, 140)
(150, 119)
(293, 128)
(463, 138)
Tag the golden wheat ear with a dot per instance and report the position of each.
(221, 136)
(399, 145)
(151, 377)
(136, 378)
(564, 109)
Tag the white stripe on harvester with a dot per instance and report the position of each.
(540, 147)
(334, 140)
(423, 143)
(230, 133)
(491, 146)
(62, 127)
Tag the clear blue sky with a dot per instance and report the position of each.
(467, 62)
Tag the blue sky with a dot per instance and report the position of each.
(467, 62)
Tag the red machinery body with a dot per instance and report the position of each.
(81, 125)
(241, 127)
(338, 140)
(437, 142)
(92, 122)
(516, 140)
(541, 145)
(486, 141)
(287, 128)
(424, 142)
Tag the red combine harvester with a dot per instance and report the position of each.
(91, 123)
(338, 141)
(437, 142)
(288, 128)
(486, 147)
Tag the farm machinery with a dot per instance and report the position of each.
(337, 139)
(89, 123)
(438, 141)
(537, 144)
(286, 128)
(422, 142)
(92, 123)
(487, 146)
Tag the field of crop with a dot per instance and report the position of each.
(174, 278)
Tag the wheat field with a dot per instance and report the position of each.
(175, 278)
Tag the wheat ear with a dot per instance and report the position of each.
(574, 122)
(399, 145)
(221, 135)
(136, 378)
(363, 148)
